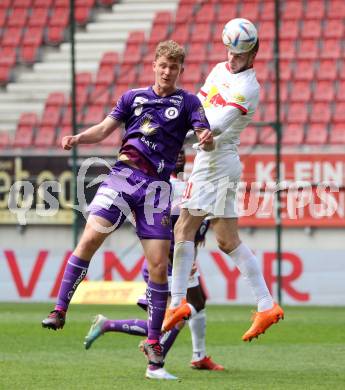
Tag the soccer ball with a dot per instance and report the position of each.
(239, 35)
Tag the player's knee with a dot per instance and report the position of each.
(183, 231)
(229, 244)
(158, 271)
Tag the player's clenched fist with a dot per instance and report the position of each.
(206, 140)
(69, 141)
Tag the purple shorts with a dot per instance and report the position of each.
(128, 191)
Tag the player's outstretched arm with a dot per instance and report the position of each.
(92, 135)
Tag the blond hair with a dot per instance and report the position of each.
(170, 49)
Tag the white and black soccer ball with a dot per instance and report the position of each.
(239, 35)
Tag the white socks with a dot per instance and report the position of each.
(247, 264)
(182, 265)
(197, 326)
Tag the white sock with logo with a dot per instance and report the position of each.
(197, 326)
(182, 266)
(247, 263)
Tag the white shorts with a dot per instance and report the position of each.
(211, 188)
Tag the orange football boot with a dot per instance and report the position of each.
(174, 315)
(262, 321)
(206, 364)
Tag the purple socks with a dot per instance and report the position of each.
(157, 296)
(75, 272)
(134, 327)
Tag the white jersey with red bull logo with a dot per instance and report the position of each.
(224, 91)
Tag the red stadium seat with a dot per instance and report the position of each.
(94, 114)
(331, 48)
(159, 32)
(311, 29)
(55, 99)
(249, 10)
(192, 74)
(24, 137)
(146, 76)
(267, 136)
(60, 17)
(51, 116)
(3, 18)
(12, 37)
(226, 12)
(269, 112)
(82, 15)
(163, 17)
(206, 14)
(301, 91)
(337, 135)
(129, 77)
(293, 135)
(305, 70)
(287, 49)
(29, 54)
(308, 49)
(181, 34)
(339, 113)
(285, 70)
(33, 36)
(196, 54)
(267, 11)
(201, 33)
(4, 139)
(341, 91)
(17, 18)
(183, 15)
(55, 35)
(317, 134)
(327, 70)
(249, 136)
(100, 96)
(293, 10)
(336, 9)
(62, 4)
(45, 136)
(266, 30)
(263, 70)
(266, 50)
(28, 119)
(342, 71)
(43, 3)
(5, 4)
(297, 113)
(315, 10)
(38, 18)
(8, 57)
(324, 91)
(334, 29)
(5, 74)
(320, 113)
(289, 29)
(284, 92)
(110, 58)
(105, 77)
(217, 53)
(117, 93)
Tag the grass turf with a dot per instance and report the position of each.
(305, 351)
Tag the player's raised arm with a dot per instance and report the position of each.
(92, 135)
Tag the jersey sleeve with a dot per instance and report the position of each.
(197, 116)
(122, 109)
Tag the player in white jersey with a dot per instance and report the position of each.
(230, 97)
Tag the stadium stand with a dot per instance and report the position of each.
(312, 59)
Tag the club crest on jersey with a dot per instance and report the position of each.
(171, 113)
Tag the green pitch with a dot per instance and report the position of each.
(305, 351)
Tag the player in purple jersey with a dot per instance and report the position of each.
(156, 121)
(195, 297)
